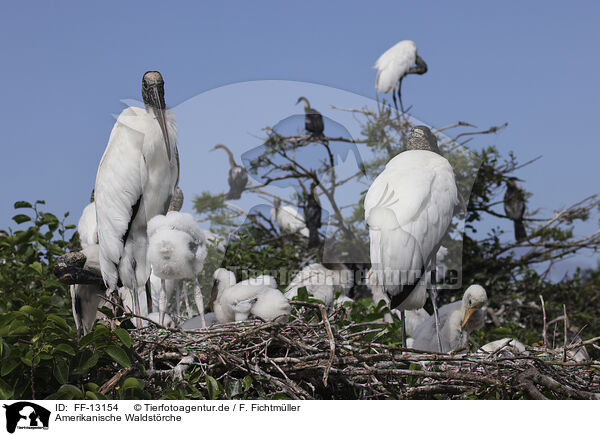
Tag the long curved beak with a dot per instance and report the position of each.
(159, 111)
(468, 314)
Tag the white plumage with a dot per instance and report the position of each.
(135, 181)
(177, 250)
(288, 219)
(393, 65)
(505, 344)
(321, 283)
(85, 298)
(457, 320)
(258, 297)
(414, 318)
(408, 208)
(87, 227)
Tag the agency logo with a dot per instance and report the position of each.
(26, 415)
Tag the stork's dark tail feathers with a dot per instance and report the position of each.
(520, 232)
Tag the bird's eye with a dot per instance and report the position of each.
(470, 302)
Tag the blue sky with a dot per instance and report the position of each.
(67, 66)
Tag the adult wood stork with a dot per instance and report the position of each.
(312, 215)
(313, 120)
(408, 209)
(393, 65)
(288, 219)
(136, 179)
(321, 283)
(457, 320)
(237, 178)
(176, 251)
(257, 296)
(514, 206)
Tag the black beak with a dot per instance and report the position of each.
(158, 106)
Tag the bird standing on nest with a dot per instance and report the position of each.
(136, 179)
(237, 178)
(313, 120)
(514, 206)
(408, 209)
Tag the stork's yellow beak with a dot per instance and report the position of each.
(468, 314)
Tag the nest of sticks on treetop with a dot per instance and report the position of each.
(321, 355)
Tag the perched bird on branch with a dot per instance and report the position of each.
(457, 320)
(514, 206)
(312, 215)
(135, 182)
(176, 251)
(393, 65)
(237, 178)
(288, 219)
(408, 209)
(313, 120)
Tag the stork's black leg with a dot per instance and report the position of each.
(149, 296)
(400, 94)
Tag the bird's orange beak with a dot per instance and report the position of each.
(468, 314)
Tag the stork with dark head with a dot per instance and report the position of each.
(395, 64)
(136, 179)
(237, 178)
(313, 120)
(408, 209)
(312, 215)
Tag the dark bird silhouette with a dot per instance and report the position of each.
(313, 120)
(312, 216)
(514, 206)
(238, 176)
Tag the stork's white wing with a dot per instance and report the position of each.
(408, 209)
(87, 227)
(393, 64)
(119, 185)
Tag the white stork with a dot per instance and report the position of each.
(408, 209)
(393, 65)
(136, 179)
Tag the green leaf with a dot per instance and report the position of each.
(132, 383)
(61, 371)
(58, 321)
(213, 387)
(8, 366)
(86, 361)
(37, 267)
(66, 392)
(6, 392)
(22, 204)
(118, 355)
(232, 388)
(247, 382)
(124, 337)
(65, 348)
(20, 218)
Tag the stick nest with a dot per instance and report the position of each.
(316, 355)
